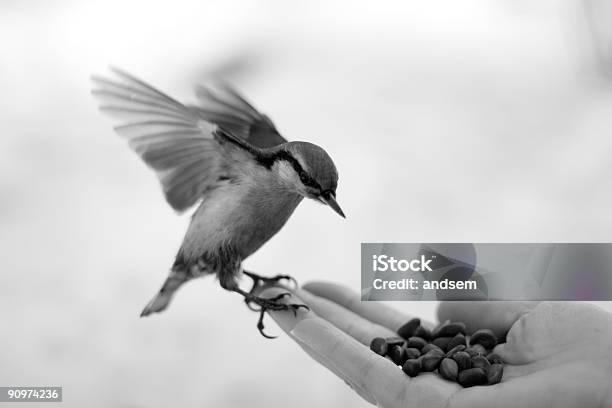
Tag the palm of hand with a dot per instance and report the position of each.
(558, 354)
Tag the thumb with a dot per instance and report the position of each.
(499, 316)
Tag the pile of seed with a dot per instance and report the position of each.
(468, 360)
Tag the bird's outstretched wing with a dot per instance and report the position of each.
(189, 154)
(223, 105)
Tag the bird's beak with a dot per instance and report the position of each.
(330, 200)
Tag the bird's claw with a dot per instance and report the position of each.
(248, 304)
(296, 306)
(259, 280)
(260, 326)
(272, 303)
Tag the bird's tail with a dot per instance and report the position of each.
(162, 299)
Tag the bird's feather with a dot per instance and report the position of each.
(189, 154)
(223, 105)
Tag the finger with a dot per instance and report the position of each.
(499, 316)
(354, 325)
(540, 389)
(376, 375)
(326, 363)
(287, 321)
(375, 312)
(376, 379)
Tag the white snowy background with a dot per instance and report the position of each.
(477, 121)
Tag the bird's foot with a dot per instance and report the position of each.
(259, 281)
(273, 303)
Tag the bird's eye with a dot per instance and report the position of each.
(303, 177)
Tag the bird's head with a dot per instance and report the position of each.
(308, 170)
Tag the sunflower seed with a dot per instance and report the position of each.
(471, 377)
(416, 342)
(494, 372)
(463, 359)
(484, 337)
(412, 367)
(408, 329)
(379, 346)
(448, 369)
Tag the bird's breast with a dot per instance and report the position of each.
(243, 214)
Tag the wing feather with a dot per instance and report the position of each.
(143, 114)
(223, 105)
(111, 85)
(148, 127)
(177, 142)
(133, 100)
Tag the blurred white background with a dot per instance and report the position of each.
(478, 121)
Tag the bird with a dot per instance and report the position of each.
(224, 157)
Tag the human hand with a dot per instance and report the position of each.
(558, 354)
